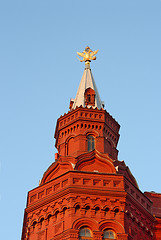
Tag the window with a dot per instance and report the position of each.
(85, 234)
(108, 234)
(91, 143)
(89, 98)
(69, 149)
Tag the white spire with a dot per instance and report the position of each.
(87, 81)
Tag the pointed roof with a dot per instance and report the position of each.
(87, 81)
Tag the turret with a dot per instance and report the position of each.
(87, 121)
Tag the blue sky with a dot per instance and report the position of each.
(39, 73)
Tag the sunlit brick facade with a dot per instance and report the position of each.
(87, 193)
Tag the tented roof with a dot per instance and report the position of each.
(87, 81)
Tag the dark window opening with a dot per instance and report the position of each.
(89, 98)
(77, 208)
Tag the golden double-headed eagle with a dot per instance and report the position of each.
(87, 55)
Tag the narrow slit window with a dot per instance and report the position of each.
(89, 98)
(91, 143)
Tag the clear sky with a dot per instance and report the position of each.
(39, 73)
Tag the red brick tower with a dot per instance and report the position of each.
(87, 193)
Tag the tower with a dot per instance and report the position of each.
(87, 193)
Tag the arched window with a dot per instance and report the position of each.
(85, 234)
(91, 143)
(89, 97)
(69, 146)
(108, 234)
(109, 148)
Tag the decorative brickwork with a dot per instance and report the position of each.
(87, 187)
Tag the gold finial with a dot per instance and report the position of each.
(87, 56)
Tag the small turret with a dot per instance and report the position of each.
(87, 120)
